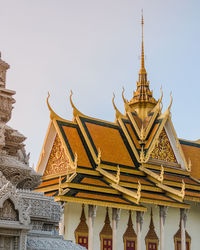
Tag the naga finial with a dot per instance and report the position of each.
(183, 189)
(161, 177)
(118, 114)
(124, 99)
(170, 101)
(118, 174)
(60, 190)
(75, 161)
(53, 115)
(99, 157)
(76, 112)
(189, 168)
(139, 188)
(161, 97)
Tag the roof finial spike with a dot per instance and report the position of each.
(142, 52)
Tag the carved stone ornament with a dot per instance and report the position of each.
(8, 212)
(18, 173)
(58, 161)
(51, 243)
(11, 203)
(163, 150)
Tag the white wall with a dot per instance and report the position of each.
(73, 213)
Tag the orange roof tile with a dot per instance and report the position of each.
(101, 197)
(152, 135)
(189, 193)
(155, 196)
(193, 153)
(137, 120)
(111, 144)
(77, 146)
(92, 181)
(135, 180)
(176, 178)
(49, 182)
(133, 136)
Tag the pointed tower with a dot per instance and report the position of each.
(6, 99)
(143, 100)
(106, 233)
(151, 238)
(81, 232)
(130, 237)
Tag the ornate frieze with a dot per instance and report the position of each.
(163, 150)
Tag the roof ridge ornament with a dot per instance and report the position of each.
(126, 103)
(76, 112)
(118, 114)
(168, 111)
(99, 157)
(75, 163)
(162, 171)
(53, 115)
(143, 159)
(129, 194)
(189, 165)
(182, 192)
(124, 99)
(139, 188)
(169, 108)
(118, 175)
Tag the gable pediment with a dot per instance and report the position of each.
(163, 150)
(58, 162)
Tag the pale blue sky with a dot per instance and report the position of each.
(93, 48)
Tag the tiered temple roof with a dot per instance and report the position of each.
(133, 161)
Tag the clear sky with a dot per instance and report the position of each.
(93, 48)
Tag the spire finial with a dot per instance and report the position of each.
(142, 70)
(142, 52)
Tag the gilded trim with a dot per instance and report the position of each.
(129, 139)
(100, 203)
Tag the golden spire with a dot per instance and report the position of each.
(142, 101)
(142, 70)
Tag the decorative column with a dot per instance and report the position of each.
(139, 222)
(163, 214)
(16, 243)
(62, 220)
(183, 214)
(23, 240)
(115, 220)
(91, 215)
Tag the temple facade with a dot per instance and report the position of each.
(128, 184)
(28, 219)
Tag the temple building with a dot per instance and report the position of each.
(28, 219)
(127, 184)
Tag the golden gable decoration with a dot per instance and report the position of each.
(163, 150)
(58, 161)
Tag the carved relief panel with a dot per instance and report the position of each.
(7, 243)
(163, 150)
(58, 161)
(8, 212)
